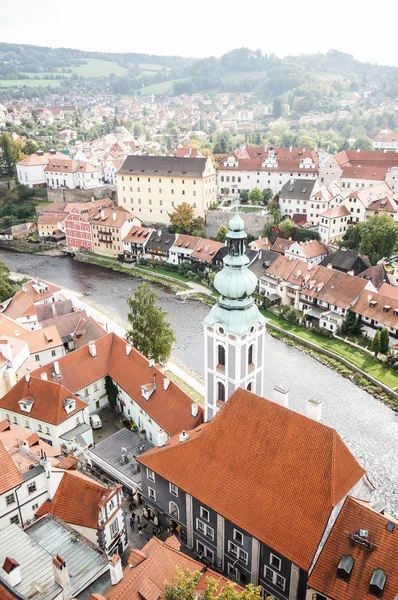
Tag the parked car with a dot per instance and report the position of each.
(95, 422)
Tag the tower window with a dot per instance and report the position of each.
(221, 356)
(220, 391)
(345, 567)
(250, 355)
(377, 583)
(249, 386)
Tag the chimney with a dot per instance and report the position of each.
(281, 395)
(194, 409)
(330, 266)
(114, 215)
(162, 438)
(61, 576)
(129, 348)
(43, 376)
(159, 233)
(56, 368)
(184, 436)
(292, 180)
(27, 377)
(116, 570)
(314, 409)
(5, 349)
(13, 570)
(92, 348)
(166, 383)
(102, 214)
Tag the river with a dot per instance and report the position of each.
(369, 428)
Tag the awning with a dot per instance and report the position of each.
(273, 297)
(314, 312)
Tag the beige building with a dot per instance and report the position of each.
(333, 224)
(109, 227)
(153, 186)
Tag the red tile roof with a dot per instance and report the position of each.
(336, 212)
(281, 245)
(206, 250)
(386, 289)
(42, 339)
(146, 580)
(48, 400)
(366, 164)
(30, 291)
(21, 305)
(288, 159)
(171, 408)
(138, 235)
(35, 159)
(355, 516)
(77, 501)
(277, 457)
(114, 216)
(189, 242)
(382, 308)
(10, 476)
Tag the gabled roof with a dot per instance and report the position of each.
(207, 250)
(170, 408)
(299, 189)
(377, 275)
(311, 248)
(342, 289)
(48, 405)
(336, 212)
(114, 216)
(344, 260)
(163, 166)
(386, 289)
(36, 159)
(187, 242)
(162, 242)
(77, 501)
(137, 235)
(156, 565)
(42, 339)
(354, 516)
(21, 305)
(47, 289)
(51, 310)
(378, 307)
(10, 476)
(276, 457)
(372, 193)
(281, 245)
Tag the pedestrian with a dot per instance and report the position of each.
(132, 523)
(154, 532)
(138, 519)
(140, 531)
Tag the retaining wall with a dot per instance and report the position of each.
(254, 223)
(335, 356)
(65, 195)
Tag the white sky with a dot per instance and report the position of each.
(207, 27)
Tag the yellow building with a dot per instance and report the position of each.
(153, 186)
(108, 228)
(49, 225)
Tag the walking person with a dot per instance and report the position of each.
(140, 530)
(132, 523)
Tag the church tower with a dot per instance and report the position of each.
(235, 329)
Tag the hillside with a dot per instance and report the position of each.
(307, 81)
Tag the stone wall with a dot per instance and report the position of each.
(65, 195)
(254, 223)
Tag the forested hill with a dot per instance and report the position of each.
(308, 80)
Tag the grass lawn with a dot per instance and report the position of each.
(356, 357)
(96, 67)
(158, 89)
(251, 209)
(163, 272)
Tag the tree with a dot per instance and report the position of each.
(376, 344)
(5, 286)
(277, 107)
(182, 218)
(221, 233)
(199, 227)
(256, 196)
(352, 324)
(363, 143)
(138, 130)
(384, 340)
(111, 390)
(7, 158)
(149, 331)
(287, 227)
(274, 209)
(378, 237)
(244, 196)
(267, 196)
(184, 583)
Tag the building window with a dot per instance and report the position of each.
(275, 562)
(14, 520)
(205, 529)
(86, 392)
(32, 487)
(204, 513)
(150, 475)
(37, 357)
(238, 537)
(174, 511)
(204, 551)
(220, 391)
(151, 493)
(114, 528)
(275, 578)
(238, 552)
(35, 506)
(377, 583)
(250, 355)
(10, 499)
(173, 489)
(232, 571)
(221, 356)
(53, 353)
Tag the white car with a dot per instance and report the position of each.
(95, 422)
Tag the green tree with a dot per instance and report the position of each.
(149, 331)
(244, 196)
(256, 196)
(363, 143)
(352, 324)
(111, 390)
(378, 237)
(267, 196)
(199, 227)
(138, 130)
(184, 583)
(384, 340)
(277, 108)
(376, 344)
(181, 219)
(274, 209)
(287, 227)
(222, 233)
(5, 286)
(6, 155)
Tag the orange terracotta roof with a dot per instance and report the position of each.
(313, 248)
(59, 165)
(42, 339)
(35, 159)
(114, 216)
(147, 579)
(341, 289)
(29, 289)
(4, 425)
(170, 408)
(372, 193)
(21, 305)
(374, 305)
(68, 463)
(189, 242)
(355, 516)
(281, 245)
(206, 250)
(48, 400)
(137, 235)
(5, 591)
(49, 219)
(386, 289)
(336, 212)
(292, 455)
(10, 476)
(77, 500)
(10, 327)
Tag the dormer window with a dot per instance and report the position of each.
(377, 583)
(69, 405)
(345, 567)
(26, 405)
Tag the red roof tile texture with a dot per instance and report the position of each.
(354, 516)
(291, 471)
(10, 476)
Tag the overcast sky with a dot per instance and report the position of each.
(207, 27)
